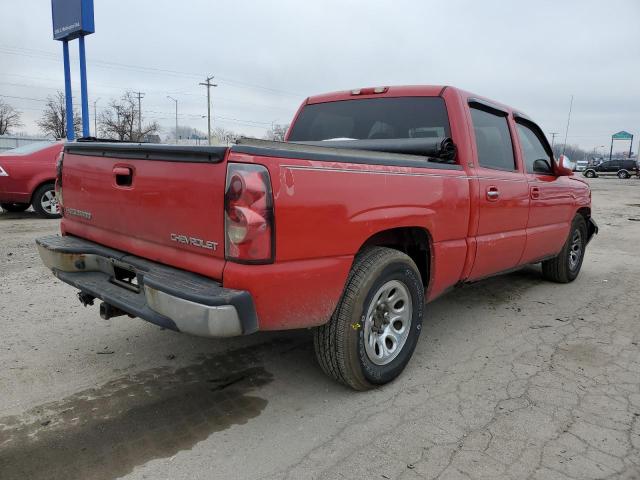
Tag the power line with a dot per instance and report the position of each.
(105, 87)
(34, 53)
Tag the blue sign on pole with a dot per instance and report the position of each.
(74, 19)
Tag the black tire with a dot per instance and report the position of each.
(14, 207)
(339, 344)
(39, 201)
(622, 174)
(563, 268)
(590, 174)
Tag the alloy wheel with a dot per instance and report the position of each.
(388, 322)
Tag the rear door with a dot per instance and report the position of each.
(503, 194)
(551, 207)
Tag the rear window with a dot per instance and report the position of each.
(493, 140)
(373, 118)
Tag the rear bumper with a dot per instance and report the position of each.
(166, 296)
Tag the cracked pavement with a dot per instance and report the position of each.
(513, 378)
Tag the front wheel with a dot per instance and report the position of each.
(590, 174)
(45, 202)
(14, 207)
(373, 332)
(565, 267)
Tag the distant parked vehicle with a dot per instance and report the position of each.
(621, 168)
(27, 177)
(581, 165)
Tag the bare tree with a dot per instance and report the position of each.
(9, 117)
(120, 120)
(574, 152)
(277, 132)
(222, 135)
(186, 133)
(54, 118)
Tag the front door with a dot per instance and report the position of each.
(551, 207)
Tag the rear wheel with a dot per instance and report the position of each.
(374, 330)
(565, 267)
(623, 174)
(14, 207)
(44, 201)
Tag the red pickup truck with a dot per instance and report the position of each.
(378, 200)
(27, 176)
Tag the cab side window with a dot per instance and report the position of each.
(493, 140)
(537, 157)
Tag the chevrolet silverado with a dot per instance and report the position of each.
(379, 200)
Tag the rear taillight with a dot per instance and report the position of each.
(248, 217)
(59, 179)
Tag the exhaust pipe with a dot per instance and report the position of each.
(108, 311)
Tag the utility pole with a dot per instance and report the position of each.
(207, 83)
(171, 98)
(553, 138)
(566, 132)
(140, 97)
(95, 117)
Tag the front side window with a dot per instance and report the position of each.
(536, 157)
(372, 118)
(493, 140)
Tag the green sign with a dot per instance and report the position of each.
(622, 136)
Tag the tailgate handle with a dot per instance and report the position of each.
(124, 176)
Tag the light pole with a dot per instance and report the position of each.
(566, 132)
(171, 98)
(95, 117)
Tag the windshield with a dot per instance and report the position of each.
(372, 118)
(28, 148)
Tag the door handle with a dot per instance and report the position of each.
(124, 176)
(493, 194)
(535, 193)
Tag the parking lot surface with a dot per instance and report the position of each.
(513, 377)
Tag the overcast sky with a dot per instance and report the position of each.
(268, 56)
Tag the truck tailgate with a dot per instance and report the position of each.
(158, 202)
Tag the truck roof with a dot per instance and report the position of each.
(405, 91)
(391, 91)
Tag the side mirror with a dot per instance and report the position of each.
(542, 166)
(564, 167)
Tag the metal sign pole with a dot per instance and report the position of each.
(83, 89)
(67, 91)
(611, 149)
(73, 19)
